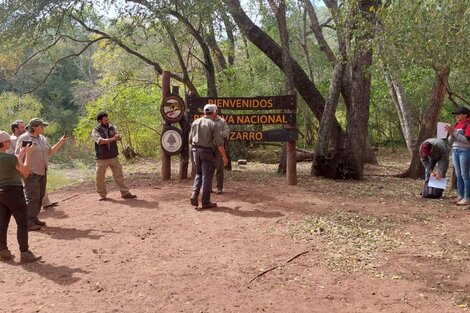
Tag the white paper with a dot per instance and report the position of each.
(441, 130)
(437, 183)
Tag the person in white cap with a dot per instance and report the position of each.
(203, 137)
(12, 200)
(35, 184)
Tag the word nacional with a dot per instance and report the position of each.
(246, 119)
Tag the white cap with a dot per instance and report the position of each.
(210, 108)
(4, 136)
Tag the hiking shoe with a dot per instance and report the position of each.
(455, 200)
(33, 226)
(128, 196)
(103, 198)
(194, 200)
(209, 205)
(463, 202)
(40, 223)
(219, 191)
(53, 204)
(28, 257)
(6, 255)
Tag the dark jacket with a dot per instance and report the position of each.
(110, 150)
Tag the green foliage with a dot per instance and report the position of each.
(134, 110)
(14, 107)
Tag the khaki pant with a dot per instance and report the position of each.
(116, 169)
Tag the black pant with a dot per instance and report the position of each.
(12, 202)
(204, 161)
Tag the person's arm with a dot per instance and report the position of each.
(57, 146)
(23, 166)
(443, 163)
(224, 156)
(225, 130)
(104, 141)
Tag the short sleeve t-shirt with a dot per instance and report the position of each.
(9, 176)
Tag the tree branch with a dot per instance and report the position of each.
(63, 58)
(47, 48)
(118, 42)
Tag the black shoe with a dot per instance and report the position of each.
(28, 257)
(40, 223)
(209, 205)
(33, 226)
(53, 204)
(103, 198)
(194, 200)
(128, 196)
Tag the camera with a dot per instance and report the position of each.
(26, 143)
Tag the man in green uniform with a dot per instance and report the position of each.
(203, 137)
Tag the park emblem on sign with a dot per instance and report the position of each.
(172, 108)
(172, 140)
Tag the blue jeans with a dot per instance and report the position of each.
(461, 159)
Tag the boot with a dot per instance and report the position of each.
(28, 257)
(194, 200)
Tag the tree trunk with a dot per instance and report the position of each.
(212, 43)
(403, 109)
(428, 122)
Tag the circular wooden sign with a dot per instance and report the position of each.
(172, 108)
(171, 140)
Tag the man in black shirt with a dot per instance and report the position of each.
(106, 135)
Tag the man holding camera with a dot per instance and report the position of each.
(106, 137)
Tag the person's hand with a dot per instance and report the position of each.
(225, 160)
(438, 176)
(117, 137)
(433, 174)
(63, 139)
(449, 128)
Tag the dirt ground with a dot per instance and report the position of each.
(320, 246)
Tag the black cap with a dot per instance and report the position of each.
(462, 110)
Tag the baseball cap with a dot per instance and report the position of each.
(4, 136)
(462, 110)
(426, 149)
(35, 122)
(210, 108)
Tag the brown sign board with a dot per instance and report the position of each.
(251, 119)
(275, 135)
(244, 103)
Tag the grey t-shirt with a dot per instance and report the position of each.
(39, 159)
(205, 133)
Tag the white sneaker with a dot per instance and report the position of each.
(463, 202)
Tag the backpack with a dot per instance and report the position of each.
(431, 192)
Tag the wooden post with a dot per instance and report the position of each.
(291, 158)
(166, 159)
(184, 154)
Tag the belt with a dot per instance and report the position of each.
(202, 147)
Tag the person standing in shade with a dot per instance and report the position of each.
(17, 129)
(219, 162)
(434, 152)
(106, 137)
(35, 183)
(203, 137)
(12, 199)
(459, 137)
